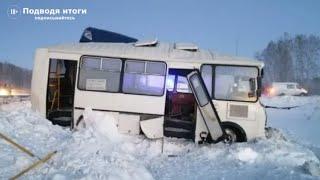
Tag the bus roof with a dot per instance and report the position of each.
(161, 51)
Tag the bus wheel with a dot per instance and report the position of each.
(234, 132)
(231, 136)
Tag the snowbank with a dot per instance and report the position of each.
(99, 152)
(301, 123)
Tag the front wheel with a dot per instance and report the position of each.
(231, 136)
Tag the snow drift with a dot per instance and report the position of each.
(99, 152)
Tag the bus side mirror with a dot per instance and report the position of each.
(252, 82)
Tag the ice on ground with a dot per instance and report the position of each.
(99, 152)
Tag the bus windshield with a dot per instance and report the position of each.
(233, 83)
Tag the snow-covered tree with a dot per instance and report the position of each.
(292, 58)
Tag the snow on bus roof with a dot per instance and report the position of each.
(162, 51)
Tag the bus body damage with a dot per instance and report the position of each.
(151, 88)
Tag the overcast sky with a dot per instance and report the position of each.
(216, 25)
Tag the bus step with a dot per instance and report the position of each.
(60, 117)
(176, 123)
(178, 133)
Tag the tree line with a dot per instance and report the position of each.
(292, 59)
(15, 76)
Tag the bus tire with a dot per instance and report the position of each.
(234, 133)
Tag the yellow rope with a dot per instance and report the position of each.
(35, 164)
(41, 161)
(17, 145)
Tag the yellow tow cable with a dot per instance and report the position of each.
(17, 145)
(35, 164)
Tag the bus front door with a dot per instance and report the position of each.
(207, 109)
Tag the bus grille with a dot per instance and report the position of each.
(238, 111)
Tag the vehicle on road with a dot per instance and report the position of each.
(286, 88)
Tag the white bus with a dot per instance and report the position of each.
(151, 88)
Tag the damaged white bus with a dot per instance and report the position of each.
(152, 88)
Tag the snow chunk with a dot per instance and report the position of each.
(103, 124)
(312, 168)
(247, 155)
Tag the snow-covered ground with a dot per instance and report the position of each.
(302, 122)
(289, 151)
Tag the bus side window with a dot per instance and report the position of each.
(100, 74)
(144, 77)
